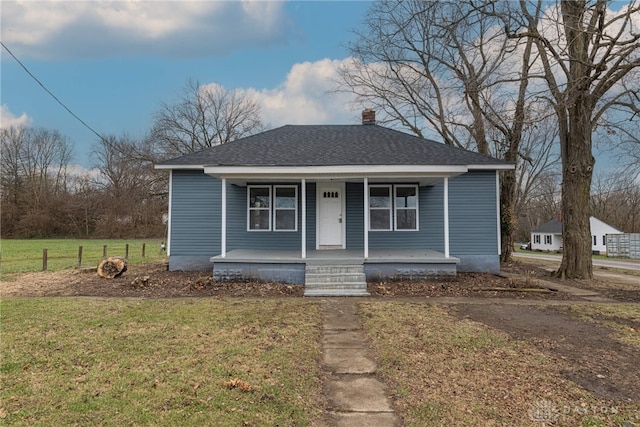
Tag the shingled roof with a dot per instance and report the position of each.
(332, 145)
(552, 227)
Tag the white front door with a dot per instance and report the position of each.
(330, 215)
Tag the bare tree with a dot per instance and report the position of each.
(541, 204)
(590, 57)
(131, 192)
(205, 116)
(449, 68)
(615, 199)
(34, 175)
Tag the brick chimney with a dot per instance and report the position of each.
(368, 116)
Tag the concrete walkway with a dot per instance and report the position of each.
(357, 397)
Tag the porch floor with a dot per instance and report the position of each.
(337, 256)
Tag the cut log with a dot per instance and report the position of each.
(112, 267)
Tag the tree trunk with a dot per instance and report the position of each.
(577, 172)
(507, 214)
(112, 267)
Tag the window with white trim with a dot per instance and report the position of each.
(406, 207)
(547, 239)
(380, 207)
(536, 239)
(259, 201)
(285, 208)
(272, 208)
(399, 213)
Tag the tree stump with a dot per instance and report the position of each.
(112, 267)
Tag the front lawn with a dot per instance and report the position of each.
(444, 370)
(160, 362)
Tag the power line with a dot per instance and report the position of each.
(51, 93)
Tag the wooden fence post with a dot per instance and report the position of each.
(104, 251)
(126, 251)
(79, 256)
(143, 249)
(44, 260)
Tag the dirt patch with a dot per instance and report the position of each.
(588, 354)
(154, 281)
(144, 281)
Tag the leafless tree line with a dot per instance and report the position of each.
(527, 81)
(615, 199)
(43, 197)
(123, 196)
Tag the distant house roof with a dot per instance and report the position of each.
(552, 227)
(555, 227)
(334, 145)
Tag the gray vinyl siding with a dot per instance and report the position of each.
(472, 214)
(429, 236)
(239, 238)
(195, 214)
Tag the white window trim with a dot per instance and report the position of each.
(249, 208)
(272, 207)
(393, 209)
(396, 208)
(294, 209)
(389, 208)
(548, 239)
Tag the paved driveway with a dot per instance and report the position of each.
(625, 265)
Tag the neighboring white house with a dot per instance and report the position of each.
(548, 237)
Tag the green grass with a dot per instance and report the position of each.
(159, 362)
(25, 255)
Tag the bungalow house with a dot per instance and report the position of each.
(548, 237)
(331, 206)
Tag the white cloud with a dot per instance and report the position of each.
(306, 97)
(64, 29)
(8, 119)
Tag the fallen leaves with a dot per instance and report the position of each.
(239, 384)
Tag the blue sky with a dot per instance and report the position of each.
(113, 63)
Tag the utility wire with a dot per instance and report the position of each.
(51, 93)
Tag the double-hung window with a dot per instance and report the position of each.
(259, 218)
(406, 207)
(285, 208)
(272, 207)
(380, 207)
(547, 239)
(393, 207)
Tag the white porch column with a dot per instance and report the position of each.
(303, 197)
(445, 197)
(498, 213)
(223, 233)
(366, 218)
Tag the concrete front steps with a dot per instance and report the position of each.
(344, 280)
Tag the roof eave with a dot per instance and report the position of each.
(335, 171)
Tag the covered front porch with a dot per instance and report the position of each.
(290, 266)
